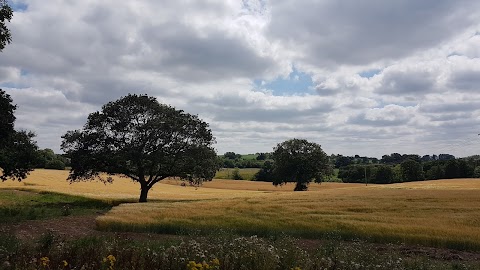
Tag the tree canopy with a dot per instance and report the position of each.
(6, 14)
(140, 138)
(299, 161)
(18, 150)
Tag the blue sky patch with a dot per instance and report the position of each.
(296, 83)
(18, 6)
(369, 73)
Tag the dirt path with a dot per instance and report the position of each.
(70, 227)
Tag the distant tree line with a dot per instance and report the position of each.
(234, 160)
(396, 168)
(47, 159)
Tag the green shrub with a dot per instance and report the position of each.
(236, 174)
(55, 164)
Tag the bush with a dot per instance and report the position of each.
(236, 174)
(55, 165)
(476, 172)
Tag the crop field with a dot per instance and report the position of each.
(441, 213)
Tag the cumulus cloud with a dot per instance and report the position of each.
(385, 76)
(358, 33)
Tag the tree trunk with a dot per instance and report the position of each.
(301, 186)
(143, 193)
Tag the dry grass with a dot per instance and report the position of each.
(444, 213)
(121, 189)
(264, 186)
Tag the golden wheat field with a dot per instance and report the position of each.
(443, 213)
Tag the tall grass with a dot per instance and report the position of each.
(440, 218)
(219, 251)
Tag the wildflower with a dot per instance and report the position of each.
(297, 268)
(216, 262)
(45, 261)
(110, 261)
(65, 263)
(192, 265)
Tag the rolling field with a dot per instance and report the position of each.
(442, 213)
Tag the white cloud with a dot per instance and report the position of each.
(422, 93)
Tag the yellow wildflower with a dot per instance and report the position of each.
(110, 261)
(192, 265)
(65, 263)
(44, 261)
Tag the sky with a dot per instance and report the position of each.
(367, 77)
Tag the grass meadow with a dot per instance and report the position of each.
(228, 224)
(430, 217)
(441, 213)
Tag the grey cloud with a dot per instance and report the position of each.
(362, 120)
(468, 81)
(186, 54)
(406, 83)
(361, 32)
(452, 107)
(449, 117)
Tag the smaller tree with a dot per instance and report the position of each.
(18, 150)
(411, 171)
(384, 175)
(436, 172)
(300, 161)
(236, 174)
(476, 172)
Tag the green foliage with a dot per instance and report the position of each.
(17, 148)
(476, 173)
(435, 172)
(265, 173)
(7, 117)
(18, 153)
(6, 14)
(411, 171)
(144, 140)
(55, 164)
(384, 175)
(299, 161)
(236, 174)
(232, 160)
(219, 251)
(245, 173)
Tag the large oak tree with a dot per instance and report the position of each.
(142, 139)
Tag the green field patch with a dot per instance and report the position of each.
(18, 205)
(245, 173)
